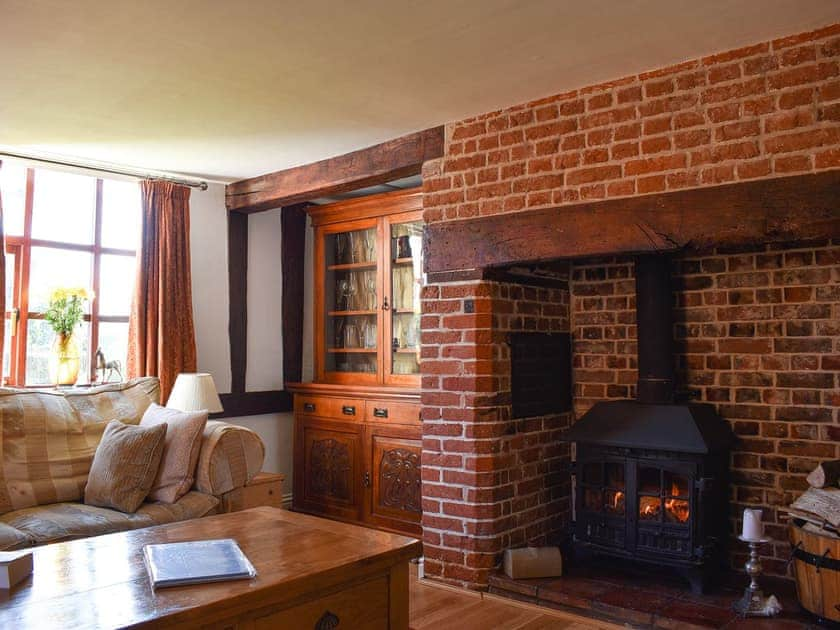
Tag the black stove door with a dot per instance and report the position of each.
(661, 519)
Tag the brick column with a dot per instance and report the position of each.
(489, 481)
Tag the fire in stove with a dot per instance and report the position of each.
(677, 510)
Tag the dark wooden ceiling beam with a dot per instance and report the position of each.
(783, 209)
(374, 165)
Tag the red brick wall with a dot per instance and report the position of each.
(755, 112)
(768, 360)
(758, 335)
(489, 481)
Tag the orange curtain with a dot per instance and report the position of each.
(161, 334)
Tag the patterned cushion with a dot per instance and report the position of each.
(230, 457)
(11, 538)
(125, 466)
(48, 437)
(181, 445)
(67, 521)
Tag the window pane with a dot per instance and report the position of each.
(113, 340)
(51, 268)
(120, 214)
(7, 349)
(38, 343)
(13, 189)
(116, 284)
(10, 281)
(64, 207)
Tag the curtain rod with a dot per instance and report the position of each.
(192, 183)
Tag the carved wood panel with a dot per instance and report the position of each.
(399, 479)
(331, 467)
(394, 459)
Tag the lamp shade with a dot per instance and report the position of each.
(194, 392)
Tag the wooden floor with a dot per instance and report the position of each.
(439, 607)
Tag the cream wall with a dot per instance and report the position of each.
(208, 249)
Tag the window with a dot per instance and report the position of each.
(65, 229)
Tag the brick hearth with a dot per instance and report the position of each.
(758, 329)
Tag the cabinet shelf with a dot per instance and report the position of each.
(352, 266)
(403, 261)
(349, 313)
(405, 311)
(406, 350)
(351, 350)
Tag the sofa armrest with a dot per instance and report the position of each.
(230, 456)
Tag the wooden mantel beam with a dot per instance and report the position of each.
(374, 165)
(784, 209)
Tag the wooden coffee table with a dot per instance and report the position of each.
(312, 573)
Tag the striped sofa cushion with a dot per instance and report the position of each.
(48, 437)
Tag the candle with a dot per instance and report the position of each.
(753, 527)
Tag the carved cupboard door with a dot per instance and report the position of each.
(330, 455)
(393, 477)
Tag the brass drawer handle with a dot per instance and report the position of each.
(348, 410)
(380, 412)
(309, 407)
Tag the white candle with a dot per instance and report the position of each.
(753, 527)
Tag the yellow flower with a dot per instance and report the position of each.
(64, 293)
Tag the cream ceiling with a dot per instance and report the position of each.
(231, 89)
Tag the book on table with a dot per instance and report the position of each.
(196, 562)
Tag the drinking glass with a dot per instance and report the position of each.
(370, 283)
(351, 336)
(370, 245)
(343, 295)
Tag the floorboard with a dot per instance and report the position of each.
(438, 607)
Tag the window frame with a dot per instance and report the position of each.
(23, 246)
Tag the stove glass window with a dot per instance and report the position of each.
(604, 487)
(663, 496)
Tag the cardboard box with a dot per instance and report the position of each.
(533, 562)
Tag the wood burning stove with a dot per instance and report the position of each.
(650, 474)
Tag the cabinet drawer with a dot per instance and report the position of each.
(364, 606)
(326, 407)
(386, 411)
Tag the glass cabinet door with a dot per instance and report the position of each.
(406, 280)
(351, 306)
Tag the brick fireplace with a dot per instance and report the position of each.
(757, 324)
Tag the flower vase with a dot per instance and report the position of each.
(65, 360)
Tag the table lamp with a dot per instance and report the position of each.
(194, 392)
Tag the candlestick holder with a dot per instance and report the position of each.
(754, 603)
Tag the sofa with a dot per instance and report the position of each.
(47, 442)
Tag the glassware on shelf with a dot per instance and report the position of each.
(359, 247)
(407, 285)
(343, 297)
(370, 334)
(351, 336)
(338, 330)
(412, 334)
(370, 245)
(340, 249)
(370, 285)
(352, 302)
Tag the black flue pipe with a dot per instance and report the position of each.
(654, 321)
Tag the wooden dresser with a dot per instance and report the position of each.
(357, 427)
(357, 455)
